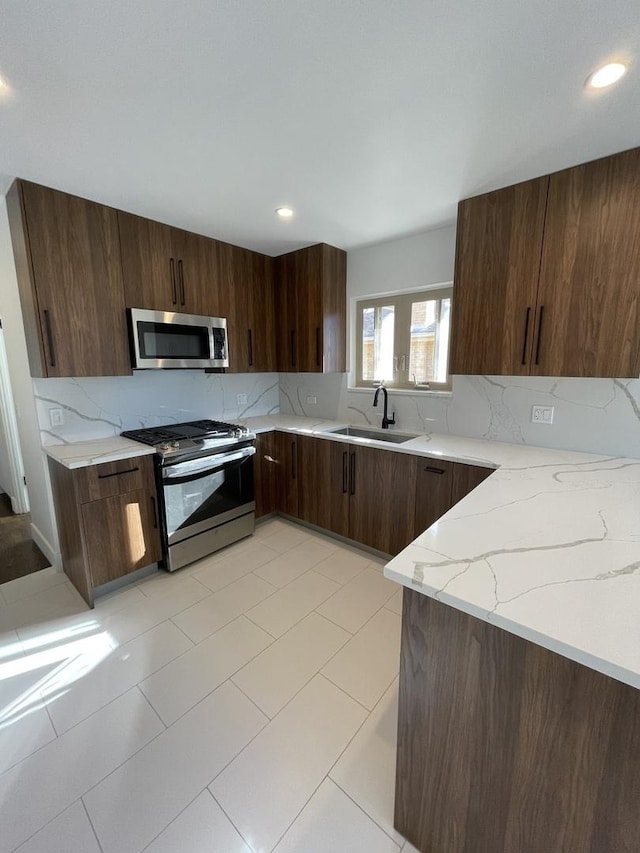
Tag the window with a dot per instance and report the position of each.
(404, 340)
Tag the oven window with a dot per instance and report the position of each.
(196, 499)
(163, 340)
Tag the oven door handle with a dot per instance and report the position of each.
(198, 467)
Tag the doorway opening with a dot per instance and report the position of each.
(19, 554)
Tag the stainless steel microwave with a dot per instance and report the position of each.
(162, 339)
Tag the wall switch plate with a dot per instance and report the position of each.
(56, 417)
(241, 399)
(311, 400)
(542, 414)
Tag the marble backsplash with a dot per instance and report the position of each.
(593, 415)
(105, 406)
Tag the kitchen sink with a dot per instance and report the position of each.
(374, 434)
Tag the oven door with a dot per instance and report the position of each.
(203, 493)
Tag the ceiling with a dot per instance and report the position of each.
(372, 118)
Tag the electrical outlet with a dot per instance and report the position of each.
(56, 417)
(241, 399)
(311, 400)
(542, 414)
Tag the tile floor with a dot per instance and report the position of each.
(246, 703)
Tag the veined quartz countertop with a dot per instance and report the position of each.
(547, 547)
(81, 454)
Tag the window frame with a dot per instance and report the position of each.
(401, 302)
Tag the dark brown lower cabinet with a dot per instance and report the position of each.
(323, 497)
(107, 520)
(382, 493)
(265, 474)
(506, 747)
(287, 485)
(434, 480)
(466, 478)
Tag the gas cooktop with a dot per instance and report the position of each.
(204, 436)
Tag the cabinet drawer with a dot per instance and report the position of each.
(113, 478)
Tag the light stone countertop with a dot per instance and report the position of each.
(81, 454)
(547, 547)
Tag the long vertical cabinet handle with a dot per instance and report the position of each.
(49, 330)
(292, 347)
(181, 277)
(345, 473)
(250, 336)
(317, 346)
(539, 334)
(174, 289)
(352, 474)
(154, 511)
(526, 335)
(294, 461)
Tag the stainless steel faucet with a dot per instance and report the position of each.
(386, 421)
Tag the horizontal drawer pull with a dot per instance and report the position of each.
(117, 473)
(432, 470)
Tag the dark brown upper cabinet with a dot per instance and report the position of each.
(67, 256)
(311, 310)
(167, 269)
(547, 277)
(252, 342)
(588, 321)
(498, 248)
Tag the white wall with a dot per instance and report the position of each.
(42, 516)
(597, 415)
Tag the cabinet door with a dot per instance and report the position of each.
(466, 478)
(498, 250)
(433, 492)
(308, 274)
(286, 446)
(149, 264)
(323, 483)
(261, 337)
(382, 498)
(588, 320)
(286, 299)
(75, 260)
(197, 274)
(265, 473)
(120, 534)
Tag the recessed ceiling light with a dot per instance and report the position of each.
(607, 75)
(284, 212)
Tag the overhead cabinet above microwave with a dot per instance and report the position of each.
(547, 278)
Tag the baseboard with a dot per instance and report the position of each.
(54, 557)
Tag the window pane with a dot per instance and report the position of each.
(377, 343)
(430, 321)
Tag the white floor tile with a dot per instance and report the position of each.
(366, 769)
(292, 603)
(276, 675)
(181, 684)
(122, 669)
(70, 832)
(30, 584)
(369, 662)
(218, 572)
(35, 791)
(140, 799)
(331, 821)
(117, 600)
(395, 602)
(201, 828)
(295, 562)
(56, 602)
(137, 618)
(282, 535)
(343, 565)
(357, 601)
(221, 607)
(267, 785)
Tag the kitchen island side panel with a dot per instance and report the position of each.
(506, 747)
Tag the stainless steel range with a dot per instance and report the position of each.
(204, 473)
